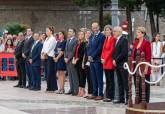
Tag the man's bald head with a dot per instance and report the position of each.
(95, 27)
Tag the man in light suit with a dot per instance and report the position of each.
(120, 56)
(25, 54)
(69, 54)
(35, 62)
(96, 42)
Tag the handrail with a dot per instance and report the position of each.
(126, 67)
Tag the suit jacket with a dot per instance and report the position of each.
(27, 46)
(18, 51)
(70, 49)
(95, 46)
(146, 48)
(35, 53)
(120, 53)
(108, 48)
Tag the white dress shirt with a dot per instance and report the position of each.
(35, 43)
(118, 39)
(49, 46)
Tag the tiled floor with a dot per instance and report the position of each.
(50, 103)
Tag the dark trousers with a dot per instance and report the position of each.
(45, 69)
(36, 77)
(110, 84)
(28, 68)
(122, 78)
(81, 74)
(51, 75)
(97, 78)
(147, 87)
(21, 73)
(89, 79)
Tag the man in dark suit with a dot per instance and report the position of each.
(35, 62)
(96, 42)
(20, 62)
(120, 56)
(69, 54)
(25, 54)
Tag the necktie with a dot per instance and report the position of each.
(33, 45)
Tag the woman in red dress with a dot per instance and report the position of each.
(143, 45)
(107, 62)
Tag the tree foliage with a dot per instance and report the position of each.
(87, 3)
(130, 4)
(99, 4)
(15, 27)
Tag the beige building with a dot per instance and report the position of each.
(40, 13)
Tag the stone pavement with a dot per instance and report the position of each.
(23, 101)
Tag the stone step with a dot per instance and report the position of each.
(4, 110)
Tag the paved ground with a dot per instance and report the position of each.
(23, 101)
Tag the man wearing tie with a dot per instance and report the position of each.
(35, 62)
(96, 42)
(25, 54)
(20, 62)
(69, 54)
(120, 56)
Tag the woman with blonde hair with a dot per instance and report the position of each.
(107, 61)
(86, 63)
(156, 47)
(144, 46)
(78, 59)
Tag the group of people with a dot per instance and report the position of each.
(84, 56)
(7, 44)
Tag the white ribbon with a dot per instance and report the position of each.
(148, 64)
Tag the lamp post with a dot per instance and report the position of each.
(115, 22)
(114, 13)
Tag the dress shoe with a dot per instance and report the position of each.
(107, 100)
(118, 102)
(37, 89)
(69, 93)
(24, 87)
(86, 97)
(61, 91)
(27, 87)
(99, 98)
(31, 88)
(21, 86)
(126, 103)
(16, 86)
(74, 94)
(91, 97)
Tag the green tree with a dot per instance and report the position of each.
(155, 7)
(99, 4)
(15, 27)
(130, 6)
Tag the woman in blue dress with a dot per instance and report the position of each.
(59, 59)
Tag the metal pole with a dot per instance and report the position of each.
(115, 23)
(115, 13)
